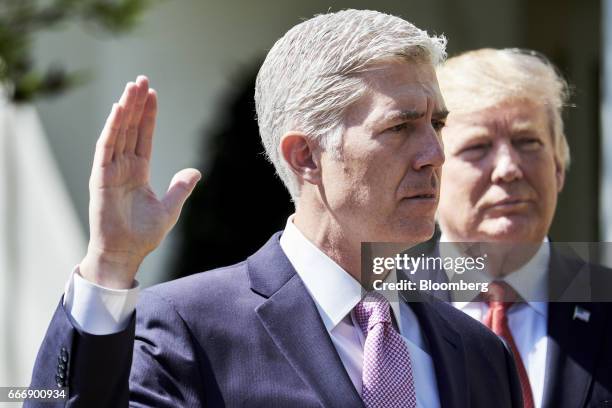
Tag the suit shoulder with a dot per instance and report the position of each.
(202, 287)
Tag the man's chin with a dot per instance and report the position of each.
(415, 232)
(506, 230)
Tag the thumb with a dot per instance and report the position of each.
(180, 188)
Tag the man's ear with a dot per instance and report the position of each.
(560, 175)
(302, 156)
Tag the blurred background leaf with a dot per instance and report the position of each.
(21, 20)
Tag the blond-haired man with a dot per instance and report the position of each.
(506, 158)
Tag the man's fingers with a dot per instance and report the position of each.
(105, 145)
(181, 186)
(142, 92)
(126, 102)
(146, 127)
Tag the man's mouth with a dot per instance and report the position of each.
(511, 201)
(509, 204)
(431, 195)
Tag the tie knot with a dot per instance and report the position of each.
(371, 310)
(500, 294)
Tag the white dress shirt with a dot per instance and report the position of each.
(335, 294)
(527, 320)
(99, 310)
(96, 309)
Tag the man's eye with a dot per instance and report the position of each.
(398, 128)
(438, 125)
(528, 144)
(475, 152)
(477, 147)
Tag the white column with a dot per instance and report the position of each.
(40, 239)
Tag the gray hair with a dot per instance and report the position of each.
(311, 76)
(482, 78)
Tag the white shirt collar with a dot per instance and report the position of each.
(334, 291)
(529, 281)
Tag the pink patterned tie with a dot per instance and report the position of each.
(387, 369)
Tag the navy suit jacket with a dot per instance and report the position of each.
(249, 335)
(579, 355)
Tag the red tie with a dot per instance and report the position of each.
(500, 298)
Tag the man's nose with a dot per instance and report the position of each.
(432, 153)
(507, 165)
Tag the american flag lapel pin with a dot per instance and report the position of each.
(581, 313)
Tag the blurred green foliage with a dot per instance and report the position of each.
(21, 20)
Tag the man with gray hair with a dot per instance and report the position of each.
(350, 113)
(506, 158)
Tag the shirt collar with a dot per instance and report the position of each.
(529, 281)
(334, 291)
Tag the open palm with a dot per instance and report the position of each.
(127, 220)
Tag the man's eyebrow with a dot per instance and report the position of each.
(523, 126)
(404, 115)
(441, 114)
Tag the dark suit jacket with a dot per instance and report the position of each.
(250, 335)
(579, 356)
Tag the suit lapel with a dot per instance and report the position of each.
(290, 317)
(446, 350)
(572, 347)
(573, 343)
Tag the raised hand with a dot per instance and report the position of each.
(126, 219)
